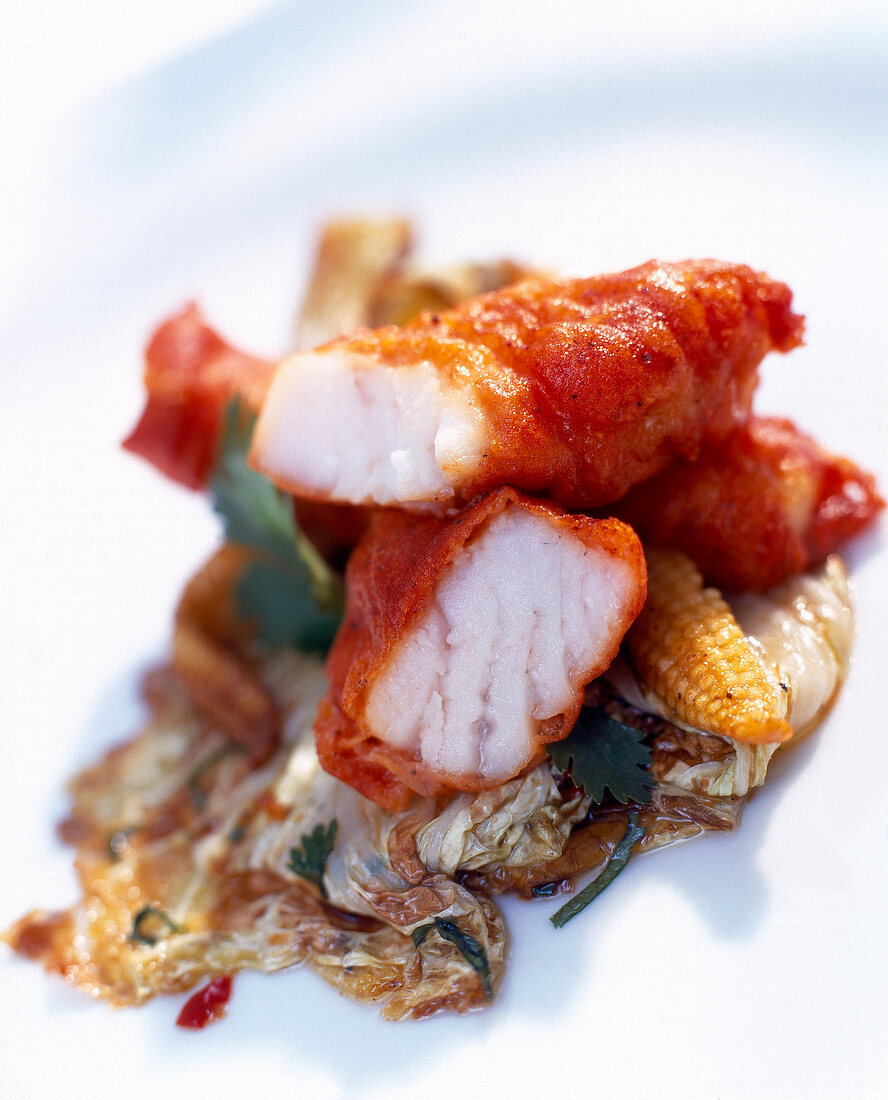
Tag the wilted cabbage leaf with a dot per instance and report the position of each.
(179, 825)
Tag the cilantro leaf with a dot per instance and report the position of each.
(285, 609)
(618, 860)
(420, 932)
(289, 590)
(601, 752)
(310, 858)
(467, 945)
(149, 926)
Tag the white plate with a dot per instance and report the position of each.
(749, 964)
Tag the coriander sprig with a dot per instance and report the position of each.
(309, 859)
(289, 591)
(600, 752)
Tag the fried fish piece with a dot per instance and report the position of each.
(191, 373)
(467, 643)
(764, 505)
(361, 276)
(579, 389)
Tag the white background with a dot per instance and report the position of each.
(156, 152)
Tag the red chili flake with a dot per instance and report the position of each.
(206, 1005)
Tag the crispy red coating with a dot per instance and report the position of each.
(390, 580)
(590, 386)
(765, 504)
(191, 373)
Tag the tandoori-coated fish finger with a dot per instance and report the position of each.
(578, 389)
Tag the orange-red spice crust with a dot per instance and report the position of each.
(589, 386)
(767, 503)
(191, 373)
(390, 581)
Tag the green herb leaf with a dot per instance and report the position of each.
(469, 948)
(142, 923)
(601, 752)
(618, 860)
(289, 591)
(420, 932)
(467, 945)
(309, 860)
(544, 890)
(285, 607)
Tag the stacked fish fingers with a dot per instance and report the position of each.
(629, 393)
(560, 520)
(577, 389)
